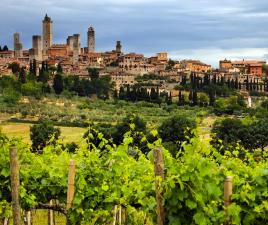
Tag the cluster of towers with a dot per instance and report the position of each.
(42, 44)
(43, 47)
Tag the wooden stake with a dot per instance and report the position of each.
(71, 177)
(15, 184)
(115, 215)
(159, 177)
(228, 190)
(27, 218)
(51, 215)
(120, 215)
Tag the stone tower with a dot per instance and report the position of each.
(118, 47)
(76, 47)
(47, 33)
(17, 46)
(91, 39)
(36, 51)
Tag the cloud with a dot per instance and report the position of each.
(147, 26)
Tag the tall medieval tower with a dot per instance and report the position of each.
(47, 33)
(17, 45)
(91, 39)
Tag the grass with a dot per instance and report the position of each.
(22, 130)
(17, 119)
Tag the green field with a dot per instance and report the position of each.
(22, 130)
(71, 114)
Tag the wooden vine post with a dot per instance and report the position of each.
(159, 177)
(228, 191)
(71, 178)
(15, 184)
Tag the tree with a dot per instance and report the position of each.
(181, 100)
(170, 64)
(195, 98)
(230, 131)
(22, 76)
(93, 73)
(176, 130)
(115, 95)
(32, 88)
(43, 75)
(122, 94)
(58, 84)
(5, 48)
(124, 127)
(41, 134)
(203, 99)
(59, 68)
(11, 96)
(15, 67)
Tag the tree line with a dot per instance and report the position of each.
(5, 48)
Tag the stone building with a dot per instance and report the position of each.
(136, 64)
(76, 47)
(70, 43)
(118, 48)
(253, 67)
(7, 54)
(17, 46)
(36, 50)
(47, 34)
(162, 57)
(195, 66)
(225, 65)
(91, 40)
(58, 51)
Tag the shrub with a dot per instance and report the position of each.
(41, 134)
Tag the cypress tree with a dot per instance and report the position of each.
(115, 95)
(212, 98)
(122, 93)
(58, 84)
(22, 75)
(195, 98)
(190, 97)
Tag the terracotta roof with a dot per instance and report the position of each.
(246, 62)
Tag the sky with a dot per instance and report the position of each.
(208, 30)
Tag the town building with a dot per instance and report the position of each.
(254, 67)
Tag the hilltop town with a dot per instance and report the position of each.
(124, 68)
(90, 137)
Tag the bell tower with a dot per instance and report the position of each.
(47, 34)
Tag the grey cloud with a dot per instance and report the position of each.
(144, 26)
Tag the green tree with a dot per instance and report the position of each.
(41, 134)
(32, 88)
(11, 96)
(175, 131)
(15, 67)
(59, 68)
(93, 73)
(125, 126)
(58, 84)
(22, 75)
(5, 48)
(203, 99)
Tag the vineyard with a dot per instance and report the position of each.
(111, 179)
